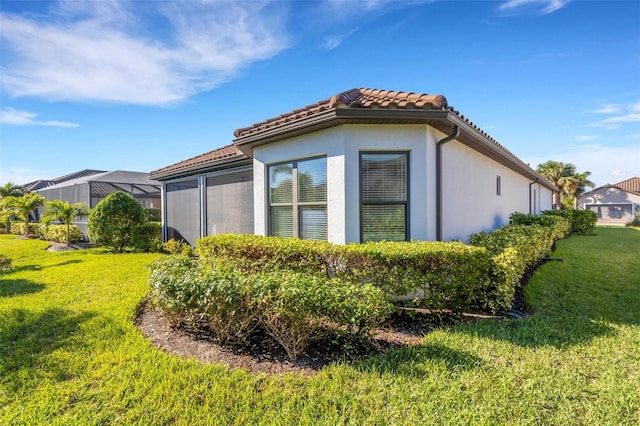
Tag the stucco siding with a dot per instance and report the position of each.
(470, 196)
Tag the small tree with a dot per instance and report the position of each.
(64, 212)
(8, 190)
(24, 206)
(111, 220)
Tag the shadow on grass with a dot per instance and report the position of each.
(420, 360)
(28, 268)
(27, 338)
(9, 288)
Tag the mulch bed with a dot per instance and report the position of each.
(263, 355)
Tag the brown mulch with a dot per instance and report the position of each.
(263, 355)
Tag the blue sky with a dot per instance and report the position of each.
(119, 85)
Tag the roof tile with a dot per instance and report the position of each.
(227, 152)
(354, 98)
(629, 185)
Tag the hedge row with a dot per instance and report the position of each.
(582, 222)
(435, 275)
(516, 248)
(57, 233)
(294, 308)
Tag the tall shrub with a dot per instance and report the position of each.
(110, 221)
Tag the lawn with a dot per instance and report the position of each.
(70, 354)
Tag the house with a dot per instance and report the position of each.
(615, 204)
(91, 186)
(363, 165)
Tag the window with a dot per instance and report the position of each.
(384, 189)
(298, 199)
(498, 185)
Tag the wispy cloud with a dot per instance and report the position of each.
(531, 7)
(332, 41)
(110, 50)
(585, 138)
(16, 117)
(620, 114)
(606, 109)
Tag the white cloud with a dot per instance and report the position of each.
(111, 51)
(607, 109)
(534, 7)
(615, 122)
(332, 41)
(585, 138)
(624, 113)
(16, 117)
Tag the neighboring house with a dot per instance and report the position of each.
(363, 165)
(617, 203)
(91, 186)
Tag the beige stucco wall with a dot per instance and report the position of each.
(470, 199)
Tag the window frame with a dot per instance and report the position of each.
(406, 202)
(295, 204)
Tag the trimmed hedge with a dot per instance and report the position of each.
(582, 222)
(293, 308)
(560, 226)
(57, 233)
(451, 275)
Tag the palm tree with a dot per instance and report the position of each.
(10, 189)
(24, 206)
(64, 212)
(570, 183)
(7, 190)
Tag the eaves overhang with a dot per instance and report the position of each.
(202, 168)
(442, 120)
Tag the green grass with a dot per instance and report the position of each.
(70, 354)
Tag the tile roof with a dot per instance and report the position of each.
(43, 183)
(221, 155)
(629, 185)
(354, 98)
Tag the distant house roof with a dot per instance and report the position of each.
(209, 160)
(104, 183)
(629, 185)
(43, 183)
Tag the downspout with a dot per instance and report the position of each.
(439, 212)
(531, 183)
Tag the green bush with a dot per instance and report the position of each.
(177, 247)
(58, 233)
(153, 215)
(18, 228)
(147, 237)
(253, 253)
(448, 274)
(111, 220)
(583, 222)
(635, 222)
(293, 308)
(560, 226)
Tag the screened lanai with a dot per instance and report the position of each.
(94, 188)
